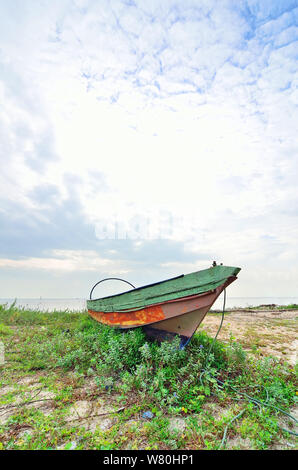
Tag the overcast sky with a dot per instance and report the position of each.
(145, 139)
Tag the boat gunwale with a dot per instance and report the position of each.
(199, 283)
(137, 288)
(187, 297)
(164, 281)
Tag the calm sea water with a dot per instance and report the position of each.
(77, 305)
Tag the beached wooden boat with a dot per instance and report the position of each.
(164, 309)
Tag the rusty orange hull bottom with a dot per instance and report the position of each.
(163, 321)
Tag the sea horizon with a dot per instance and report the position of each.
(79, 303)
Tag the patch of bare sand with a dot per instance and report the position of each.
(238, 443)
(286, 423)
(177, 424)
(91, 414)
(44, 406)
(27, 392)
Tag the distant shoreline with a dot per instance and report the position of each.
(242, 304)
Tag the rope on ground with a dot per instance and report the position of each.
(248, 397)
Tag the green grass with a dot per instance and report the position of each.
(61, 351)
(5, 330)
(273, 307)
(290, 307)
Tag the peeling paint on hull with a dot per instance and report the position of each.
(130, 319)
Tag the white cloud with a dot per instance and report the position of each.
(67, 261)
(180, 107)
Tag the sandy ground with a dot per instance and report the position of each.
(268, 332)
(261, 332)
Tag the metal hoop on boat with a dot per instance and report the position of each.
(110, 279)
